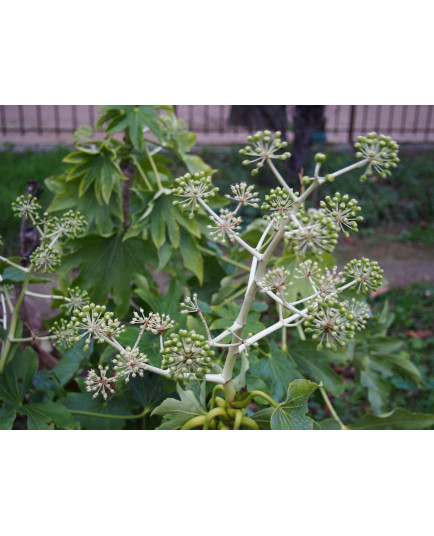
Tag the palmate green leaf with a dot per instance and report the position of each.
(7, 417)
(316, 364)
(378, 389)
(398, 419)
(71, 361)
(47, 382)
(17, 377)
(132, 118)
(101, 218)
(179, 411)
(48, 415)
(100, 170)
(327, 424)
(263, 418)
(292, 414)
(229, 312)
(147, 390)
(11, 275)
(117, 405)
(107, 266)
(191, 255)
(399, 363)
(276, 371)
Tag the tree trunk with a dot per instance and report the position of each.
(259, 117)
(307, 119)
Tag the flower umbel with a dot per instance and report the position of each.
(279, 202)
(264, 147)
(99, 384)
(45, 258)
(342, 212)
(244, 194)
(26, 206)
(381, 152)
(226, 225)
(187, 356)
(329, 324)
(192, 188)
(368, 274)
(95, 323)
(130, 362)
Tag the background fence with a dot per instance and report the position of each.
(39, 124)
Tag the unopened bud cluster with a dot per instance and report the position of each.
(368, 274)
(333, 323)
(187, 355)
(279, 202)
(315, 231)
(343, 212)
(192, 188)
(264, 147)
(26, 206)
(381, 153)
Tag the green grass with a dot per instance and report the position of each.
(16, 169)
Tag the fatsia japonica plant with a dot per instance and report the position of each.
(326, 306)
(251, 348)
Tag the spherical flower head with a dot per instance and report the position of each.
(73, 224)
(76, 299)
(99, 383)
(328, 323)
(381, 153)
(328, 281)
(190, 305)
(93, 322)
(264, 146)
(279, 202)
(309, 269)
(227, 225)
(26, 207)
(317, 233)
(243, 194)
(187, 356)
(343, 212)
(130, 362)
(276, 281)
(160, 323)
(63, 333)
(366, 273)
(45, 258)
(142, 319)
(357, 313)
(191, 188)
(83, 134)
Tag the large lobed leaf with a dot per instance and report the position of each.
(292, 413)
(179, 411)
(398, 419)
(107, 266)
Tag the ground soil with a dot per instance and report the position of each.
(403, 263)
